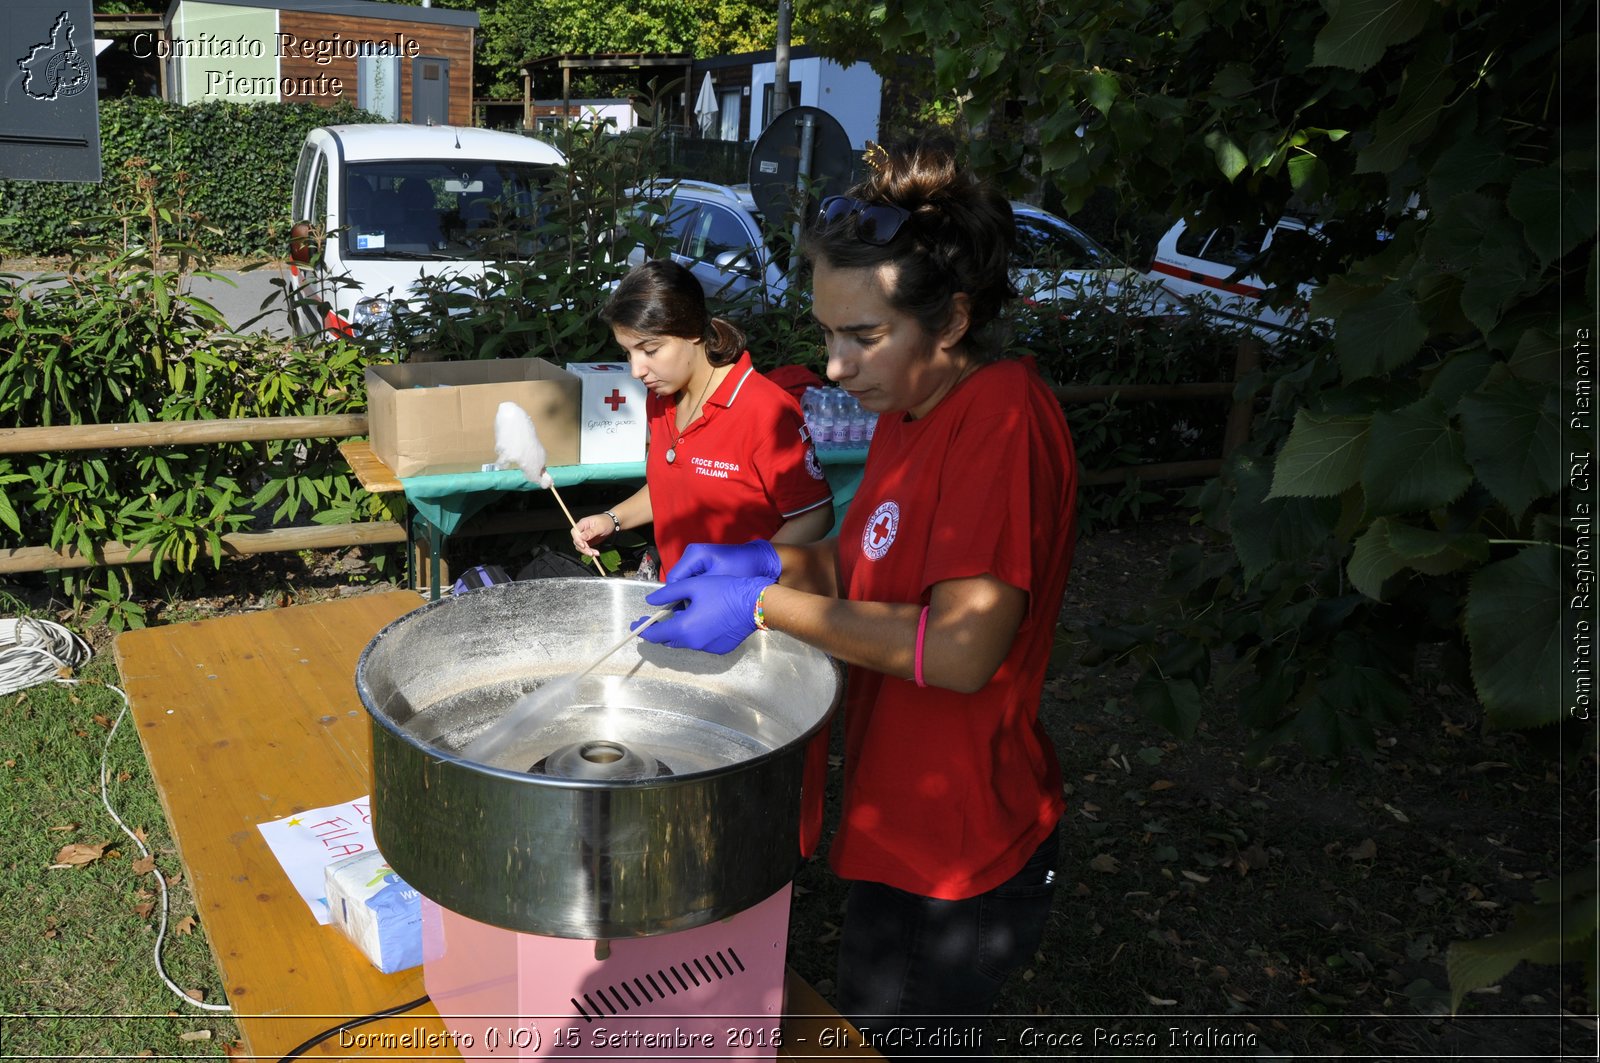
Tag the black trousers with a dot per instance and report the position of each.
(918, 975)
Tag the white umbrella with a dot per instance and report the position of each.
(705, 107)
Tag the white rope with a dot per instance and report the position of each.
(36, 651)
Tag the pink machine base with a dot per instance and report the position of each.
(715, 992)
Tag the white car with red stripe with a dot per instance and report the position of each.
(376, 207)
(1215, 269)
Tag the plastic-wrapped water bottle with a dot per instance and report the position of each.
(821, 420)
(856, 433)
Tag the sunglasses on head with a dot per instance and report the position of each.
(876, 223)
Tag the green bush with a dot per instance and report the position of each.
(239, 159)
(122, 339)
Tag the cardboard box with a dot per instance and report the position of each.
(377, 911)
(612, 420)
(438, 417)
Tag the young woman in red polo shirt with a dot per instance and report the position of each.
(729, 457)
(941, 591)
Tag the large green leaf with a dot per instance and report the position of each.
(1389, 547)
(1556, 215)
(1360, 31)
(1379, 335)
(1269, 530)
(1373, 560)
(1468, 164)
(1434, 553)
(1471, 234)
(1540, 934)
(1322, 456)
(1513, 626)
(1413, 116)
(1172, 703)
(1414, 460)
(1512, 431)
(1537, 357)
(1230, 157)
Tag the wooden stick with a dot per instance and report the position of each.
(598, 566)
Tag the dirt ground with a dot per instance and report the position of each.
(1208, 906)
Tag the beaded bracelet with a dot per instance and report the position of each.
(616, 522)
(760, 611)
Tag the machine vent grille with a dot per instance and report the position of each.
(631, 994)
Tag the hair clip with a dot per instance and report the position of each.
(876, 156)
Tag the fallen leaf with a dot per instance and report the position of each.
(195, 1035)
(234, 1050)
(138, 832)
(145, 1054)
(185, 925)
(195, 994)
(1160, 1002)
(1367, 850)
(1194, 876)
(144, 865)
(52, 934)
(1105, 863)
(1162, 784)
(1395, 812)
(76, 854)
(103, 720)
(1252, 858)
(65, 828)
(123, 776)
(144, 911)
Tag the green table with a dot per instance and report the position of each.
(441, 504)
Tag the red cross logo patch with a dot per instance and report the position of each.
(878, 535)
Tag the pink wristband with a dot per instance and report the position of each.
(922, 629)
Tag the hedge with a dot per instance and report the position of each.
(240, 156)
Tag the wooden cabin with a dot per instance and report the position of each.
(407, 64)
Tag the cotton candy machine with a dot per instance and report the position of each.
(624, 866)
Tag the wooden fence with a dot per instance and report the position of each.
(344, 426)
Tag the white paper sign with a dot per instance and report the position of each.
(307, 842)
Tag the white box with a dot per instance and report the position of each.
(611, 419)
(376, 910)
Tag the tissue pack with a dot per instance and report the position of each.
(376, 910)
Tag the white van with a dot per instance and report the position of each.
(377, 206)
(1204, 265)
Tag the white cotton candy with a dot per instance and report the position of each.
(516, 444)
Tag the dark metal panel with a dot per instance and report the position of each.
(49, 106)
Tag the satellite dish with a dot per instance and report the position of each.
(802, 146)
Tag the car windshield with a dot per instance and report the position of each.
(1044, 244)
(438, 209)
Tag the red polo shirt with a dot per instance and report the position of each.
(741, 469)
(948, 794)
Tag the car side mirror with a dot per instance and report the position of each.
(740, 262)
(305, 248)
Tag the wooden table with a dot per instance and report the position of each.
(249, 718)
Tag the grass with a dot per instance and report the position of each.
(80, 941)
(1207, 907)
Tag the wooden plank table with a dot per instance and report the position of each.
(252, 717)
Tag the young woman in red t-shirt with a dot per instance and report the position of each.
(729, 457)
(941, 591)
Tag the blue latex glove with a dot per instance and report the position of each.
(754, 558)
(718, 612)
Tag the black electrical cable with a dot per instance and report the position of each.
(350, 1024)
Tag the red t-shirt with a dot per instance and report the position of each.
(740, 471)
(948, 794)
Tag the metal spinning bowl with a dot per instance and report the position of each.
(666, 796)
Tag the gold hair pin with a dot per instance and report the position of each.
(876, 156)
